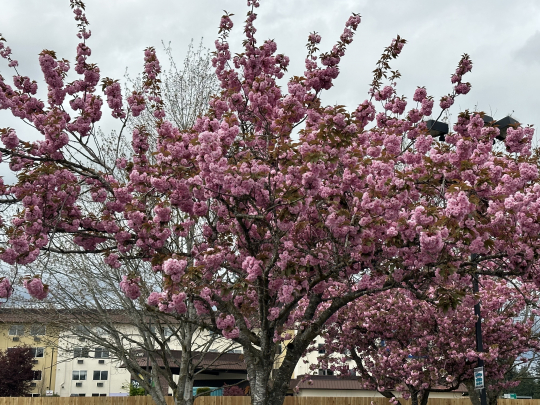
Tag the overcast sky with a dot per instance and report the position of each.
(502, 38)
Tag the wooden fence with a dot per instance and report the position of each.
(147, 400)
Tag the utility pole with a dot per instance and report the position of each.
(479, 343)
(51, 370)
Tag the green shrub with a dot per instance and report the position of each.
(203, 391)
(135, 391)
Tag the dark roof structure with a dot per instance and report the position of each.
(332, 382)
(210, 361)
(24, 315)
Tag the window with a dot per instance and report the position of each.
(81, 330)
(323, 371)
(167, 332)
(37, 330)
(101, 375)
(101, 353)
(16, 330)
(100, 331)
(37, 375)
(99, 395)
(79, 375)
(80, 352)
(38, 351)
(321, 349)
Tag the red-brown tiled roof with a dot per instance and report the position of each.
(338, 383)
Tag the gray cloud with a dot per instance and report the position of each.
(495, 33)
(530, 51)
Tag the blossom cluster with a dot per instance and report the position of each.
(274, 211)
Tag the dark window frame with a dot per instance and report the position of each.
(101, 353)
(18, 330)
(79, 375)
(81, 352)
(38, 330)
(102, 375)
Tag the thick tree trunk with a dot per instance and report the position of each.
(259, 373)
(269, 386)
(184, 388)
(183, 394)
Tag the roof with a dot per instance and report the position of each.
(332, 382)
(210, 361)
(327, 382)
(62, 316)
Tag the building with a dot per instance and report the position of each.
(214, 370)
(84, 369)
(68, 362)
(18, 327)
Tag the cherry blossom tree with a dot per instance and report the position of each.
(396, 342)
(284, 230)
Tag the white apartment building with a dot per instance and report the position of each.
(85, 370)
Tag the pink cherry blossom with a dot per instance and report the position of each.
(5, 288)
(130, 287)
(36, 288)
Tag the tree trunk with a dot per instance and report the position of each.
(474, 395)
(424, 396)
(183, 393)
(268, 385)
(259, 376)
(184, 396)
(158, 398)
(184, 388)
(414, 398)
(156, 394)
(390, 395)
(493, 396)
